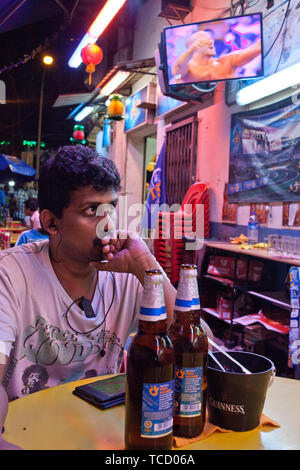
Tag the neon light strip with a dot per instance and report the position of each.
(83, 113)
(103, 19)
(114, 82)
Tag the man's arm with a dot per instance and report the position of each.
(131, 255)
(4, 445)
(181, 66)
(241, 58)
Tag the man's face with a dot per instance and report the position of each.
(77, 227)
(33, 379)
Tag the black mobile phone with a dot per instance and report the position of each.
(103, 393)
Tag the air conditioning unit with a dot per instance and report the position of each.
(175, 9)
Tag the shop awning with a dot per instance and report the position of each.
(15, 169)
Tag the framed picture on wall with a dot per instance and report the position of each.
(291, 214)
(229, 211)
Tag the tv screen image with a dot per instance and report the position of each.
(215, 50)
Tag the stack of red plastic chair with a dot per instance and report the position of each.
(174, 229)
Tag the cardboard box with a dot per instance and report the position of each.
(223, 266)
(223, 307)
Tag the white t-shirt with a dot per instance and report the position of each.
(46, 335)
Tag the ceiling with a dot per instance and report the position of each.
(28, 29)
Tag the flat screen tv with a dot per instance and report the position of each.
(215, 50)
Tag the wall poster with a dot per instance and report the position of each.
(265, 155)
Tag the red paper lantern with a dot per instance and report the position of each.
(91, 55)
(78, 135)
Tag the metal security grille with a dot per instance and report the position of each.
(181, 159)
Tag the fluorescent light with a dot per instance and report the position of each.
(84, 113)
(279, 81)
(104, 17)
(114, 82)
(76, 60)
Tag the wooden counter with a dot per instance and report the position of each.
(258, 252)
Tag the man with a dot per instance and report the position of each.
(70, 303)
(198, 62)
(21, 196)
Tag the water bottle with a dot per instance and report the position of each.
(252, 229)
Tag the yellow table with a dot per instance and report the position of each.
(56, 419)
(14, 231)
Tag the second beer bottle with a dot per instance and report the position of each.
(191, 347)
(150, 374)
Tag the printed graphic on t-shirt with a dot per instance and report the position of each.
(46, 345)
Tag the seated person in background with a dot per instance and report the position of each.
(30, 236)
(31, 210)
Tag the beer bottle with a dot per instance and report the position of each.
(150, 374)
(191, 347)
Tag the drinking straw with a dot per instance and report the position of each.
(216, 360)
(246, 371)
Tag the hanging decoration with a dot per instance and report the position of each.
(78, 134)
(115, 108)
(91, 55)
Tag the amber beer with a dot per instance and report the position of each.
(191, 347)
(150, 374)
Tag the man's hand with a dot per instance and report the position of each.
(4, 445)
(128, 253)
(124, 253)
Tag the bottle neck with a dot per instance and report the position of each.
(191, 317)
(187, 297)
(153, 308)
(152, 327)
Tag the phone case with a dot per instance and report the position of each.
(103, 393)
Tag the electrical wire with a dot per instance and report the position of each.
(278, 34)
(105, 314)
(253, 4)
(282, 48)
(210, 88)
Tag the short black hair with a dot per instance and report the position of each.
(31, 204)
(73, 167)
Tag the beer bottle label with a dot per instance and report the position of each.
(196, 299)
(153, 306)
(157, 409)
(185, 292)
(188, 391)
